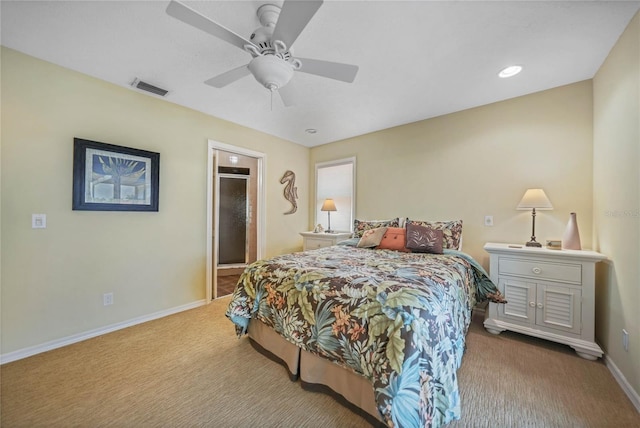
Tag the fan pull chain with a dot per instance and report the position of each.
(272, 88)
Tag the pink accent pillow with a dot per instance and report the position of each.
(393, 239)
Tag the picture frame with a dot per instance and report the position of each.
(107, 177)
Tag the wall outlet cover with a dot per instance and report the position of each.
(38, 221)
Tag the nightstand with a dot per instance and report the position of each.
(311, 240)
(550, 295)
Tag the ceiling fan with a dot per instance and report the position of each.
(272, 63)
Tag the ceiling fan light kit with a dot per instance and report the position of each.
(273, 64)
(270, 71)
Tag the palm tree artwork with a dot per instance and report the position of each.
(118, 179)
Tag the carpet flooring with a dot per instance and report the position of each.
(190, 370)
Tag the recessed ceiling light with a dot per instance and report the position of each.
(510, 71)
(310, 131)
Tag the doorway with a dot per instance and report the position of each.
(235, 220)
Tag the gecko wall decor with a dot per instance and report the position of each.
(290, 190)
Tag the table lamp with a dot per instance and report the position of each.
(328, 206)
(534, 199)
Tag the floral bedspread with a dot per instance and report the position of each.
(399, 319)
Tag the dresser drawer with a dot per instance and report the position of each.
(312, 244)
(565, 272)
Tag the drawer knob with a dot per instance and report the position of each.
(532, 304)
(536, 270)
(539, 305)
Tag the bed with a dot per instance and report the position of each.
(383, 328)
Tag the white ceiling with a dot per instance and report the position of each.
(417, 59)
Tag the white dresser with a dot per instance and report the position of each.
(312, 240)
(550, 294)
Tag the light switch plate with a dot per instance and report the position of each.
(38, 221)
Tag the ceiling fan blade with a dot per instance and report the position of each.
(288, 94)
(196, 19)
(222, 80)
(294, 16)
(332, 70)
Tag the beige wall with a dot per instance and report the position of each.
(53, 279)
(581, 143)
(480, 162)
(616, 179)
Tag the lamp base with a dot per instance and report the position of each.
(533, 244)
(329, 231)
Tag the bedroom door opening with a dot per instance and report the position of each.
(234, 227)
(235, 224)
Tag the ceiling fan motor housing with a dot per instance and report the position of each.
(262, 38)
(270, 71)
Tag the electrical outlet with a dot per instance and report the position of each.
(107, 299)
(625, 339)
(488, 220)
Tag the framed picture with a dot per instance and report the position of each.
(107, 177)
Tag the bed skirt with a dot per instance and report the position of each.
(316, 373)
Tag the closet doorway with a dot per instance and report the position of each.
(235, 223)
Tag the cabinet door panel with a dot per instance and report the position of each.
(521, 296)
(559, 308)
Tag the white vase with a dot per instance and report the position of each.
(571, 236)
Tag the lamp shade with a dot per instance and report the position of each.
(535, 198)
(328, 205)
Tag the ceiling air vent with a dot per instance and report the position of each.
(137, 83)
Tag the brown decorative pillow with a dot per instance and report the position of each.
(393, 239)
(359, 226)
(422, 239)
(372, 237)
(451, 231)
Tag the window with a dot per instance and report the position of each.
(336, 180)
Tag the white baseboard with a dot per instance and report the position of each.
(622, 381)
(59, 343)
